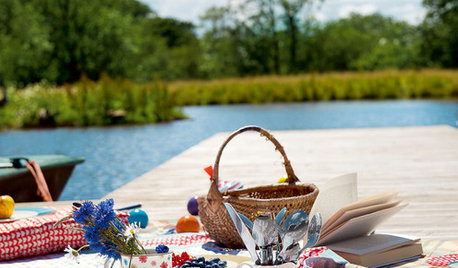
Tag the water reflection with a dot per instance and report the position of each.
(116, 155)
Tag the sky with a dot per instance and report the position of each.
(411, 11)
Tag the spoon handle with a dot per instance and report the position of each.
(314, 233)
(245, 220)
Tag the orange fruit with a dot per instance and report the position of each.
(188, 224)
(6, 206)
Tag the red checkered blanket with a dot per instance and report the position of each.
(37, 235)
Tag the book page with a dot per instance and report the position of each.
(379, 198)
(334, 194)
(347, 215)
(358, 226)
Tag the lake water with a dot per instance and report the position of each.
(117, 155)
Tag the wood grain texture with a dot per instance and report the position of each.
(419, 162)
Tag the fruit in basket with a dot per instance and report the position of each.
(6, 206)
(193, 207)
(188, 224)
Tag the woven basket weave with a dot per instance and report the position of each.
(293, 195)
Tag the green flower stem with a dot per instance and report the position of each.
(82, 247)
(139, 243)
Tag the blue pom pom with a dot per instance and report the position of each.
(138, 216)
(162, 249)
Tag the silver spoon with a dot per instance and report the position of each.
(313, 233)
(264, 230)
(294, 229)
(294, 219)
(265, 234)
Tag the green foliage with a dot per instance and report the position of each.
(24, 44)
(333, 86)
(89, 37)
(88, 103)
(361, 42)
(440, 33)
(61, 41)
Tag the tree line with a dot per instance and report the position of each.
(60, 41)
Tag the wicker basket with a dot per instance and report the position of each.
(293, 195)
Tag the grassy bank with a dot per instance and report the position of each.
(88, 103)
(317, 87)
(120, 101)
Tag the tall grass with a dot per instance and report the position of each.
(88, 103)
(120, 101)
(378, 85)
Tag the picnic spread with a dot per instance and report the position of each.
(437, 253)
(231, 226)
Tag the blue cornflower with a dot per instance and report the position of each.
(95, 246)
(91, 234)
(162, 248)
(106, 205)
(105, 214)
(86, 210)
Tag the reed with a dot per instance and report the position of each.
(121, 101)
(380, 85)
(89, 103)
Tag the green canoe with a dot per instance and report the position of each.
(19, 183)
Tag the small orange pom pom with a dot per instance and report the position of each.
(188, 224)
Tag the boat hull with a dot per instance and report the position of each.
(23, 188)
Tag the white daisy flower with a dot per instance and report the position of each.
(72, 254)
(131, 230)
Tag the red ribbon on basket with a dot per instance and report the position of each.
(223, 185)
(209, 171)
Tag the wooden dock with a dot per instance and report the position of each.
(421, 163)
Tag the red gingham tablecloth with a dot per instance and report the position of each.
(37, 236)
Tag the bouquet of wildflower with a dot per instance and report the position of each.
(104, 231)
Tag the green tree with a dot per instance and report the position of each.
(440, 33)
(89, 37)
(264, 24)
(218, 43)
(362, 42)
(25, 47)
(60, 40)
(179, 42)
(291, 9)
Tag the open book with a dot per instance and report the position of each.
(346, 230)
(359, 218)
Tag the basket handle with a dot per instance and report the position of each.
(214, 194)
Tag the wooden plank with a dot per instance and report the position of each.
(419, 162)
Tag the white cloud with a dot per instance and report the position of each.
(365, 9)
(320, 16)
(411, 13)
